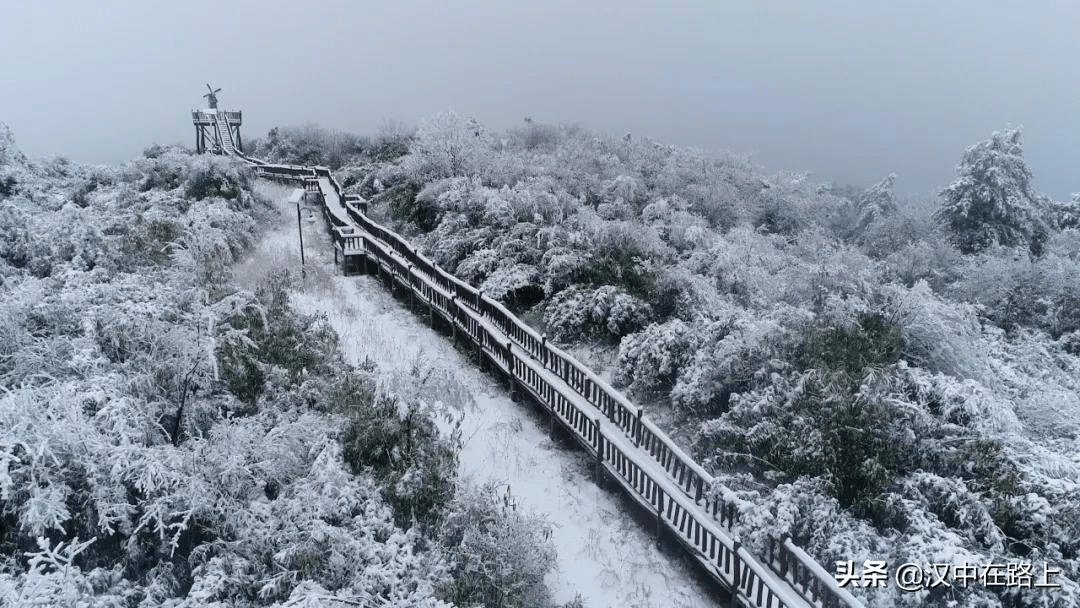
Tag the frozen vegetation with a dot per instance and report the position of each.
(880, 378)
(600, 552)
(172, 436)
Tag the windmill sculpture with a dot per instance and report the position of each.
(216, 131)
(211, 97)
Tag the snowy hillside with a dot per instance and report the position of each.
(168, 437)
(187, 421)
(882, 379)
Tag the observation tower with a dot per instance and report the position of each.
(216, 131)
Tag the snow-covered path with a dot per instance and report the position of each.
(603, 553)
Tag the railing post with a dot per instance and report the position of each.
(697, 494)
(453, 316)
(599, 454)
(551, 411)
(543, 350)
(637, 429)
(659, 515)
(510, 371)
(300, 231)
(480, 349)
(735, 582)
(782, 546)
(412, 294)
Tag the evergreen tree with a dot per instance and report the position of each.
(877, 201)
(992, 200)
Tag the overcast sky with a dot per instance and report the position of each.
(850, 90)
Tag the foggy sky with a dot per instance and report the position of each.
(848, 89)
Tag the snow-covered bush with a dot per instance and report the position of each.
(607, 312)
(404, 450)
(303, 346)
(560, 266)
(515, 285)
(15, 238)
(827, 424)
(938, 335)
(780, 208)
(934, 262)
(650, 360)
(216, 176)
(620, 255)
(497, 556)
(1017, 291)
(731, 354)
(908, 224)
(478, 265)
(314, 145)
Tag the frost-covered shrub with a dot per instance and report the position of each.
(405, 205)
(620, 255)
(907, 221)
(560, 265)
(567, 313)
(762, 270)
(620, 312)
(167, 171)
(935, 262)
(301, 345)
(497, 556)
(8, 185)
(935, 334)
(536, 135)
(15, 238)
(478, 265)
(778, 214)
(956, 506)
(454, 195)
(731, 354)
(650, 360)
(676, 225)
(309, 145)
(1017, 291)
(217, 176)
(824, 424)
(402, 447)
(514, 285)
(146, 242)
(872, 341)
(606, 312)
(452, 241)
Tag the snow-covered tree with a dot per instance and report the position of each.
(878, 200)
(993, 200)
(450, 145)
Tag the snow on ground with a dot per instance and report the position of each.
(603, 553)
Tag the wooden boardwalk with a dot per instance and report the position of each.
(624, 443)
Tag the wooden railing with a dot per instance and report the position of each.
(642, 458)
